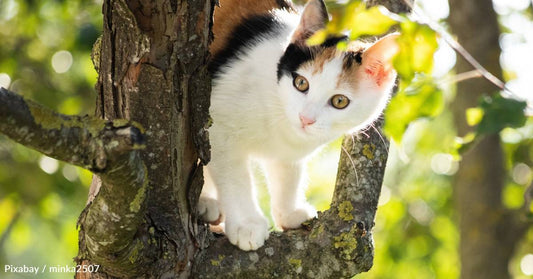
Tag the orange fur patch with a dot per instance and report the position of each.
(232, 13)
(321, 58)
(349, 69)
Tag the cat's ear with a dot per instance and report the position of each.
(377, 59)
(314, 17)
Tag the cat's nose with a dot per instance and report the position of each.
(306, 121)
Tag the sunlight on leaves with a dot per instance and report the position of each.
(357, 20)
(513, 196)
(422, 99)
(362, 21)
(474, 116)
(418, 44)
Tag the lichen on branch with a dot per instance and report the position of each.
(336, 245)
(110, 149)
(88, 142)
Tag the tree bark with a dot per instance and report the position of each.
(488, 231)
(152, 63)
(141, 220)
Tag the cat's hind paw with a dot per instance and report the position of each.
(250, 234)
(209, 209)
(294, 219)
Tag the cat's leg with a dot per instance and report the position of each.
(245, 225)
(208, 206)
(287, 191)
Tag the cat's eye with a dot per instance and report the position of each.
(339, 101)
(300, 83)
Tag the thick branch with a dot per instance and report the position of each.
(336, 245)
(109, 149)
(109, 224)
(87, 142)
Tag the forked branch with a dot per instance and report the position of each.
(110, 150)
(336, 245)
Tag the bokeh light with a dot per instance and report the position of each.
(61, 61)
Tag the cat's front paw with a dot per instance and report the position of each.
(293, 219)
(209, 209)
(247, 234)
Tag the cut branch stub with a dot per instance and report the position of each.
(336, 245)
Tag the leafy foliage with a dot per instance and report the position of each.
(420, 238)
(499, 113)
(418, 44)
(421, 99)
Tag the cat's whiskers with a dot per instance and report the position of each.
(385, 146)
(353, 163)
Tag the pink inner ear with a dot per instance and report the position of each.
(377, 71)
(377, 59)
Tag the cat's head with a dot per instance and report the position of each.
(326, 91)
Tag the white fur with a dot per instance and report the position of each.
(255, 118)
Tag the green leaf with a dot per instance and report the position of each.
(500, 113)
(317, 38)
(474, 116)
(421, 99)
(362, 21)
(418, 44)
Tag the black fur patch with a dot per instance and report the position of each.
(295, 55)
(246, 34)
(287, 5)
(352, 56)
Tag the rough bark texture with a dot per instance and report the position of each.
(108, 148)
(152, 61)
(488, 231)
(140, 220)
(89, 142)
(336, 245)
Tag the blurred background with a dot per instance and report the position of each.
(45, 55)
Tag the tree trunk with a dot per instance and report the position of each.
(488, 231)
(152, 64)
(147, 147)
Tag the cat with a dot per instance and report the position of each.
(277, 100)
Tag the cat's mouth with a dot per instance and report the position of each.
(307, 130)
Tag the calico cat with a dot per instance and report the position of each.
(276, 100)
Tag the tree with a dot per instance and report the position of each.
(489, 232)
(147, 145)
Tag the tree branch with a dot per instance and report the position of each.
(87, 142)
(107, 148)
(336, 245)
